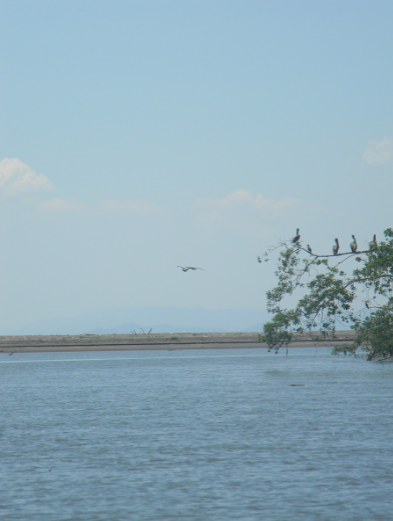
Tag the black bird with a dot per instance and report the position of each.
(309, 248)
(373, 242)
(297, 236)
(354, 245)
(336, 247)
(259, 259)
(186, 268)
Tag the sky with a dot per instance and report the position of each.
(136, 136)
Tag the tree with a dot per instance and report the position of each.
(332, 298)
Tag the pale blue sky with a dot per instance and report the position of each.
(184, 132)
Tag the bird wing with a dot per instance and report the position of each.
(186, 268)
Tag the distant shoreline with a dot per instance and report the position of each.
(164, 341)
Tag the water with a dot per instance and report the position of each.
(195, 435)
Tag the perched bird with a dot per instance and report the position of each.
(297, 236)
(354, 245)
(259, 259)
(373, 242)
(336, 247)
(186, 268)
(309, 248)
(367, 305)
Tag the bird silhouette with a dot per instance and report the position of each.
(354, 245)
(336, 247)
(259, 259)
(373, 242)
(309, 248)
(186, 268)
(297, 236)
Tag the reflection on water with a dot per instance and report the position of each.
(195, 435)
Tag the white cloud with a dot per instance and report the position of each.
(242, 200)
(137, 207)
(378, 151)
(61, 205)
(241, 212)
(17, 178)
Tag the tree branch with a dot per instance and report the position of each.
(338, 254)
(365, 279)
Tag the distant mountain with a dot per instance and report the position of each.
(160, 319)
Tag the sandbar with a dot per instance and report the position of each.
(156, 341)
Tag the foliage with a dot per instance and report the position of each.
(332, 297)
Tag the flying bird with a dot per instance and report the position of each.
(336, 247)
(373, 242)
(354, 245)
(297, 236)
(186, 268)
(309, 248)
(259, 259)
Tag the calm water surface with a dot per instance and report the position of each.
(195, 435)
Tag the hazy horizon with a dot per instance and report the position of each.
(160, 319)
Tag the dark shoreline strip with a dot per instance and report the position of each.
(171, 341)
